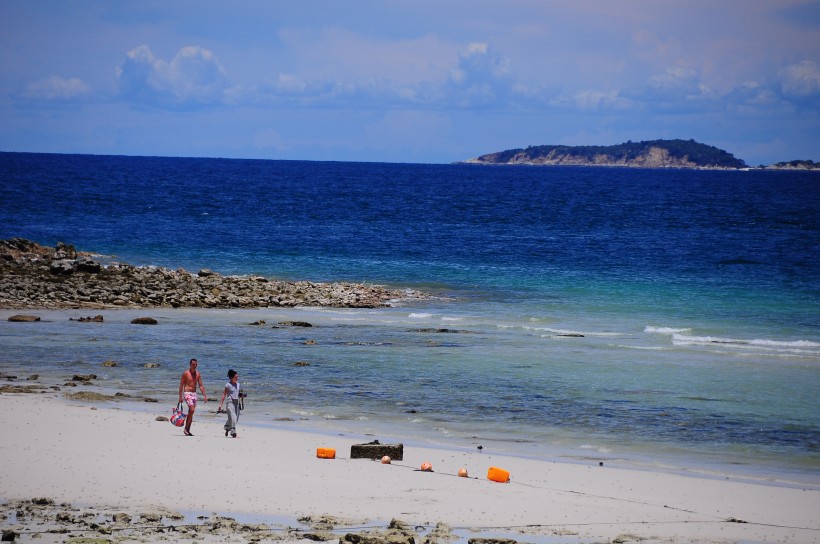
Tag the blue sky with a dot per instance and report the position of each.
(407, 81)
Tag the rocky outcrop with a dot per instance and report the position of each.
(35, 276)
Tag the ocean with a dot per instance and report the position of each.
(644, 317)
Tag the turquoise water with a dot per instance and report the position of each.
(646, 317)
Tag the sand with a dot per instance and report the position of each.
(104, 457)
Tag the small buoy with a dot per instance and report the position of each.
(462, 472)
(426, 467)
(386, 460)
(480, 447)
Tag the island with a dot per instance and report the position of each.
(645, 154)
(794, 165)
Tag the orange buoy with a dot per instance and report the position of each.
(462, 472)
(386, 460)
(498, 475)
(426, 467)
(326, 453)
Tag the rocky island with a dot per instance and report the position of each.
(795, 165)
(36, 276)
(646, 154)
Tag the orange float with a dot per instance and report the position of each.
(498, 475)
(386, 460)
(326, 453)
(462, 473)
(426, 467)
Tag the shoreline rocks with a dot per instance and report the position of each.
(36, 276)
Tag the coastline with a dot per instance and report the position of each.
(108, 457)
(33, 276)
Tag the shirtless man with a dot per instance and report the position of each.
(187, 390)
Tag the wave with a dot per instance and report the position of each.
(665, 330)
(791, 346)
(419, 315)
(644, 348)
(565, 332)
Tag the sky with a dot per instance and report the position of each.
(407, 81)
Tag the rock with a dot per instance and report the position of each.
(65, 251)
(22, 388)
(86, 264)
(95, 319)
(391, 536)
(319, 537)
(441, 533)
(151, 365)
(64, 517)
(144, 321)
(8, 535)
(88, 396)
(33, 378)
(295, 323)
(83, 377)
(161, 418)
(41, 277)
(375, 450)
(24, 318)
(301, 363)
(110, 364)
(121, 517)
(64, 267)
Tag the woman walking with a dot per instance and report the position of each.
(232, 392)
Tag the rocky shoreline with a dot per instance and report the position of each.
(36, 276)
(45, 519)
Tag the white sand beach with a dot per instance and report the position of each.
(103, 456)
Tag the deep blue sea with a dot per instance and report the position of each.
(645, 316)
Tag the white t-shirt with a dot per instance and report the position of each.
(233, 390)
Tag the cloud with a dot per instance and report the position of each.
(56, 88)
(481, 77)
(795, 87)
(591, 100)
(801, 82)
(674, 90)
(193, 79)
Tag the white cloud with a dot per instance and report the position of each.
(801, 80)
(591, 100)
(193, 78)
(481, 77)
(479, 64)
(56, 88)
